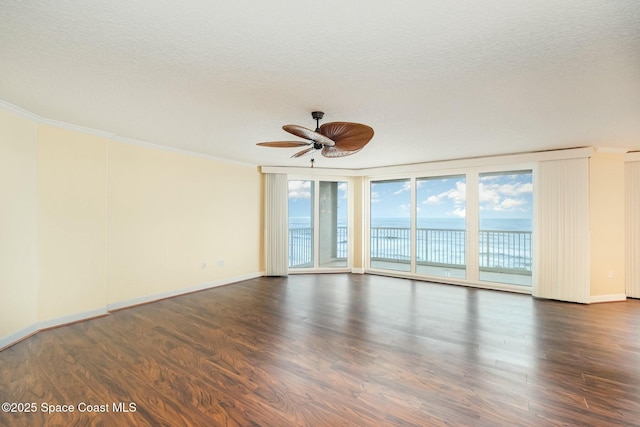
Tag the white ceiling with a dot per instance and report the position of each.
(435, 79)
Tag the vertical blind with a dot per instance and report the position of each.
(276, 225)
(563, 231)
(632, 197)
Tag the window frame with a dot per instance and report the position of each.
(472, 176)
(316, 179)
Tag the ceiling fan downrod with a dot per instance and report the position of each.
(317, 116)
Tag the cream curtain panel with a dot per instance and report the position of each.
(632, 188)
(276, 225)
(563, 231)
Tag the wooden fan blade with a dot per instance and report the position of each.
(303, 152)
(336, 152)
(284, 144)
(305, 133)
(347, 136)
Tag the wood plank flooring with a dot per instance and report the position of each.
(334, 350)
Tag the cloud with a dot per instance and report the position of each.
(459, 212)
(299, 189)
(342, 190)
(516, 189)
(456, 195)
(406, 186)
(510, 196)
(509, 204)
(375, 197)
(459, 194)
(433, 200)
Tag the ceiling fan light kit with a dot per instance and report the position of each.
(335, 139)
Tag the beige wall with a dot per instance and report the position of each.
(72, 177)
(87, 222)
(607, 223)
(171, 214)
(18, 216)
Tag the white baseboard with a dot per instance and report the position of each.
(18, 336)
(607, 298)
(86, 315)
(71, 318)
(176, 292)
(357, 270)
(48, 324)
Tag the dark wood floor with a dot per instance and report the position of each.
(335, 350)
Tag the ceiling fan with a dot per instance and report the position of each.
(335, 139)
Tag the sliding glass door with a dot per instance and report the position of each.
(301, 218)
(505, 227)
(318, 224)
(473, 227)
(441, 226)
(390, 231)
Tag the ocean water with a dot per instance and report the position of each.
(500, 224)
(508, 248)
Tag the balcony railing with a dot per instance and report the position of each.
(301, 246)
(505, 251)
(499, 250)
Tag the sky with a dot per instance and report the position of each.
(300, 193)
(501, 196)
(506, 195)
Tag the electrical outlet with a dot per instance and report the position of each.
(221, 263)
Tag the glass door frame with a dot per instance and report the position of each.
(317, 179)
(472, 177)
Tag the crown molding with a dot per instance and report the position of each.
(167, 148)
(51, 122)
(401, 170)
(632, 157)
(20, 111)
(109, 135)
(612, 150)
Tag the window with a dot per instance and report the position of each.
(301, 224)
(318, 224)
(390, 230)
(441, 227)
(472, 226)
(505, 227)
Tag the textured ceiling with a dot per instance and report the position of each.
(435, 79)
